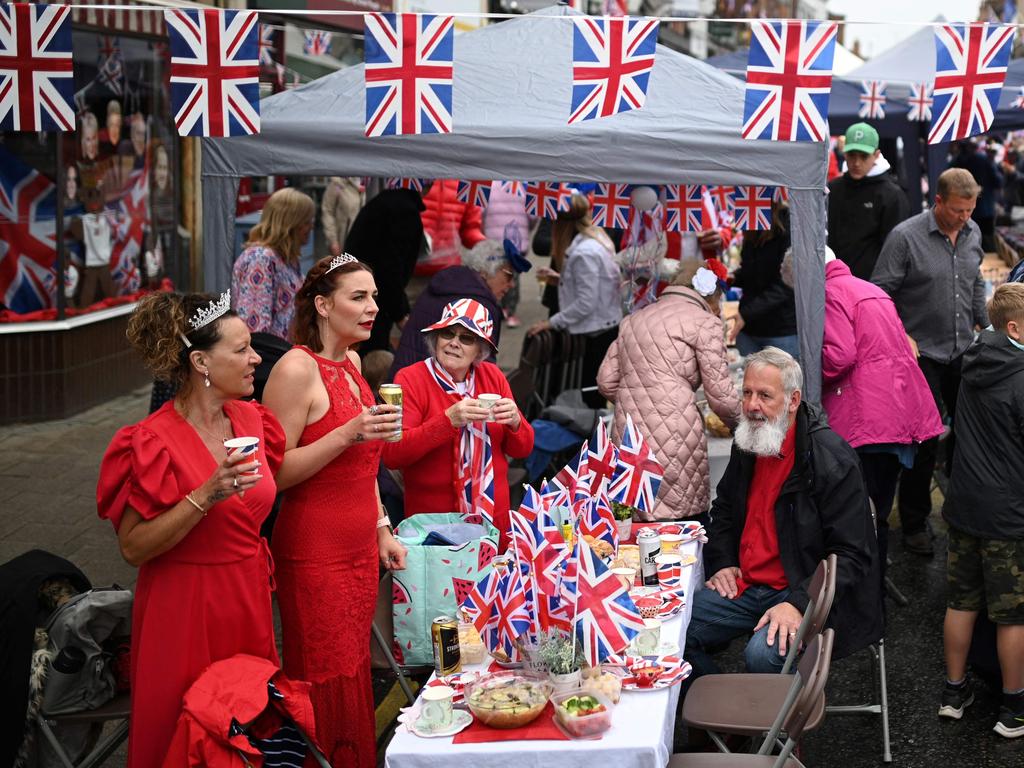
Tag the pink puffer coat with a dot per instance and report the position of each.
(663, 354)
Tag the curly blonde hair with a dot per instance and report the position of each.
(286, 210)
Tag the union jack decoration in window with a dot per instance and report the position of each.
(612, 62)
(612, 205)
(970, 66)
(111, 65)
(267, 48)
(789, 76)
(474, 193)
(544, 199)
(872, 100)
(215, 72)
(28, 240)
(753, 207)
(316, 42)
(36, 81)
(920, 102)
(684, 208)
(409, 70)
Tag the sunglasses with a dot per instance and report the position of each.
(465, 339)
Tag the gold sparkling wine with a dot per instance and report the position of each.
(392, 395)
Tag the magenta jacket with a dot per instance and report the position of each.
(873, 390)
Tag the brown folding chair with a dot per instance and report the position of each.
(813, 669)
(115, 711)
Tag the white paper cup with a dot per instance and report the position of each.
(670, 543)
(626, 575)
(436, 708)
(488, 400)
(247, 446)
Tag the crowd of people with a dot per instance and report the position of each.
(905, 377)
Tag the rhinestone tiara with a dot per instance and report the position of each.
(209, 313)
(337, 261)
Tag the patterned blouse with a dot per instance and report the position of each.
(263, 289)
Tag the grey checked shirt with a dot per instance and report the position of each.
(936, 286)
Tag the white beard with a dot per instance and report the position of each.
(761, 437)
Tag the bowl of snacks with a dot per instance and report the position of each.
(607, 684)
(507, 699)
(583, 715)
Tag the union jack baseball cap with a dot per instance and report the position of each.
(470, 314)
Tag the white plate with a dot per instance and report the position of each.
(460, 721)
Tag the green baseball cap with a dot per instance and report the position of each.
(861, 137)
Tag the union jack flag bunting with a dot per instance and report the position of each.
(544, 199)
(753, 207)
(28, 241)
(606, 618)
(316, 42)
(36, 82)
(215, 73)
(789, 76)
(684, 208)
(394, 182)
(111, 65)
(602, 459)
(721, 197)
(1018, 102)
(612, 63)
(266, 44)
(638, 474)
(476, 193)
(612, 205)
(872, 100)
(409, 66)
(970, 66)
(920, 102)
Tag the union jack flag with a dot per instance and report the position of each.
(872, 100)
(612, 63)
(316, 42)
(266, 44)
(28, 240)
(516, 188)
(1018, 102)
(602, 459)
(551, 554)
(606, 618)
(638, 474)
(133, 223)
(394, 182)
(780, 195)
(511, 615)
(526, 538)
(753, 207)
(215, 74)
(36, 82)
(684, 208)
(920, 102)
(970, 66)
(474, 193)
(478, 606)
(581, 493)
(789, 76)
(409, 66)
(597, 519)
(111, 65)
(544, 199)
(612, 205)
(721, 197)
(557, 492)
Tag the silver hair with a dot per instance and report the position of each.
(792, 374)
(486, 257)
(483, 349)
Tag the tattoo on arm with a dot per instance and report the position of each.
(359, 437)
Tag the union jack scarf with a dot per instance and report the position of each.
(474, 483)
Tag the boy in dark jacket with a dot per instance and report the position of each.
(985, 511)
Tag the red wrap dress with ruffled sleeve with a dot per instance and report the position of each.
(208, 597)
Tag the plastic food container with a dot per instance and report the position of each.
(507, 699)
(471, 647)
(583, 726)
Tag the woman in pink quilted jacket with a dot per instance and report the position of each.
(662, 355)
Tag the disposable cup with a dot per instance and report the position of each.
(247, 446)
(626, 575)
(670, 569)
(488, 400)
(670, 543)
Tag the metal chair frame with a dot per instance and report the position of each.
(117, 710)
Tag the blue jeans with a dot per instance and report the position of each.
(748, 345)
(717, 620)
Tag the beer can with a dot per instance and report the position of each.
(392, 395)
(650, 548)
(444, 633)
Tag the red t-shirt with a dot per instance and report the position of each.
(759, 544)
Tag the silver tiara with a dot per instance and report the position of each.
(209, 313)
(337, 261)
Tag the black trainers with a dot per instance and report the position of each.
(919, 543)
(1011, 719)
(955, 699)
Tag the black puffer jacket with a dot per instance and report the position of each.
(822, 509)
(768, 306)
(986, 488)
(861, 214)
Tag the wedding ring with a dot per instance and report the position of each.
(235, 483)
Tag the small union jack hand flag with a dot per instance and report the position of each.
(36, 82)
(602, 458)
(215, 74)
(970, 66)
(606, 618)
(1018, 102)
(753, 207)
(684, 208)
(316, 42)
(789, 76)
(474, 193)
(544, 199)
(597, 519)
(526, 537)
(409, 71)
(612, 205)
(511, 615)
(478, 605)
(872, 100)
(638, 474)
(612, 61)
(920, 102)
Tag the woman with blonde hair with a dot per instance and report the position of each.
(588, 288)
(266, 275)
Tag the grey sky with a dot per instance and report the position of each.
(875, 38)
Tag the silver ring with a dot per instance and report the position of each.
(235, 483)
(376, 427)
(373, 410)
(791, 634)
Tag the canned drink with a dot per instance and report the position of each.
(392, 395)
(650, 548)
(444, 633)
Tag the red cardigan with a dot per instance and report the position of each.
(427, 454)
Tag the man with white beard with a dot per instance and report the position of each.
(791, 495)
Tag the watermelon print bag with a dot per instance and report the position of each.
(435, 581)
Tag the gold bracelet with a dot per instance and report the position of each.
(194, 503)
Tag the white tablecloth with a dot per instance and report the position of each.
(643, 725)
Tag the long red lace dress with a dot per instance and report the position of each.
(325, 552)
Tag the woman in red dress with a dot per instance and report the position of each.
(188, 514)
(332, 531)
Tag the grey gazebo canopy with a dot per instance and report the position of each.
(511, 98)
